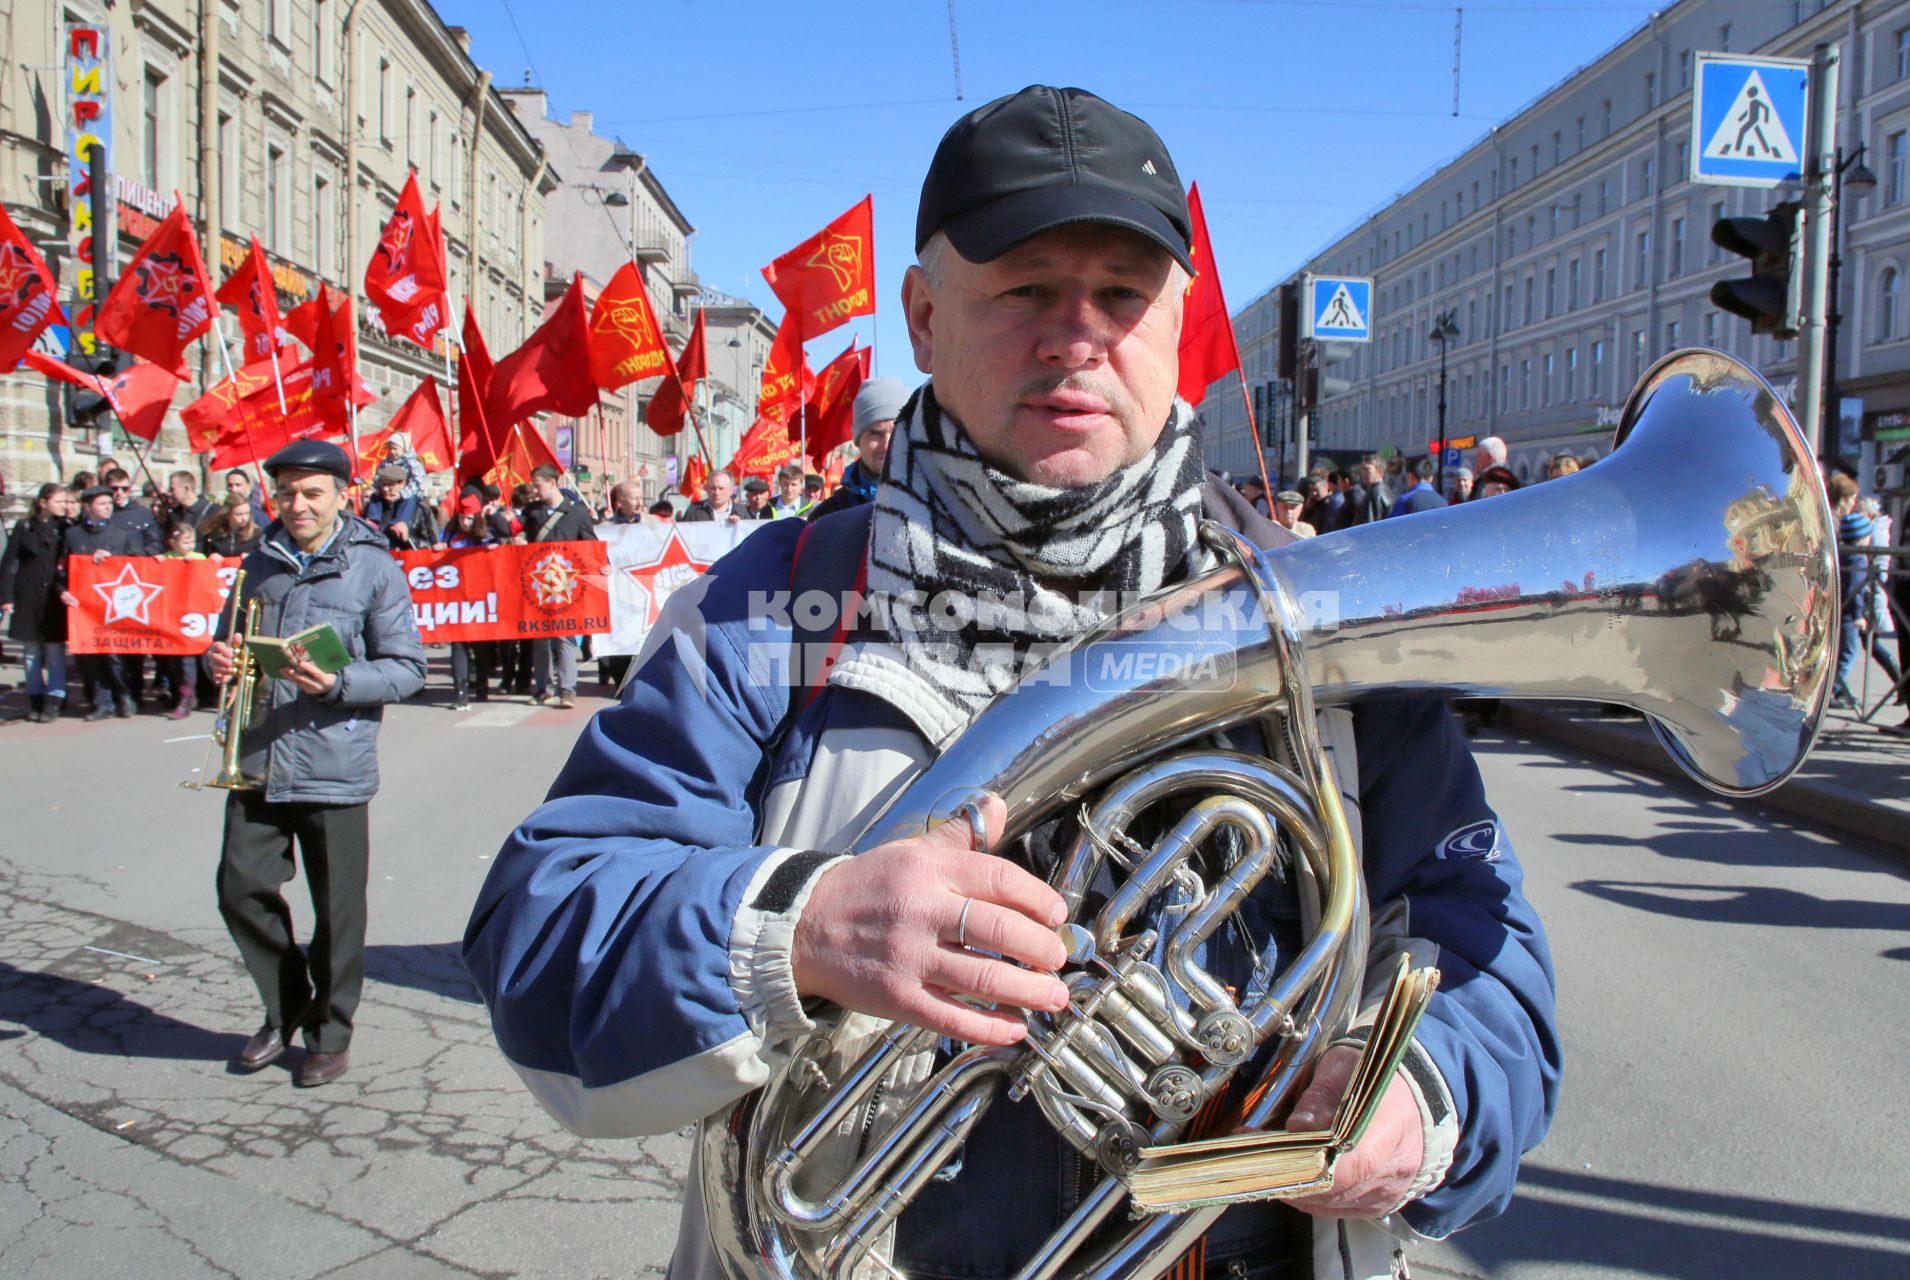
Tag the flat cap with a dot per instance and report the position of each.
(755, 484)
(93, 491)
(311, 455)
(393, 473)
(1292, 497)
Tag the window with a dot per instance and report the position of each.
(1676, 245)
(275, 193)
(1715, 253)
(1571, 375)
(1512, 177)
(1605, 118)
(1604, 196)
(1505, 387)
(1505, 311)
(1724, 38)
(1551, 292)
(1558, 148)
(1637, 353)
(1458, 206)
(322, 224)
(1651, 90)
(322, 37)
(1578, 134)
(1554, 215)
(1571, 285)
(1683, 167)
(1646, 170)
(1671, 335)
(411, 125)
(384, 101)
(229, 171)
(278, 22)
(1531, 313)
(150, 135)
(434, 154)
(1545, 382)
(1596, 387)
(1598, 275)
(1525, 384)
(1641, 254)
(1472, 320)
(1894, 158)
(1903, 53)
(1684, 68)
(1535, 159)
(1887, 305)
(1710, 328)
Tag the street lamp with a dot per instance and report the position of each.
(1445, 329)
(1860, 182)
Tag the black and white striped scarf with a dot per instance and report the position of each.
(974, 574)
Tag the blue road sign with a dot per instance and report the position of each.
(1748, 120)
(1339, 308)
(1452, 457)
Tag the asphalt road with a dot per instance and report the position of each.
(1733, 995)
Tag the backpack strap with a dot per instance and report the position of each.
(832, 557)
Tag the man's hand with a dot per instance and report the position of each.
(309, 677)
(219, 662)
(70, 600)
(99, 556)
(401, 530)
(1372, 1178)
(881, 934)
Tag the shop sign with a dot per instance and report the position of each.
(89, 129)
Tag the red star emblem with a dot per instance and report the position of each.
(164, 283)
(655, 580)
(18, 279)
(127, 597)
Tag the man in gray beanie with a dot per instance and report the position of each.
(877, 406)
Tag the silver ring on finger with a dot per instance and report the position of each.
(961, 929)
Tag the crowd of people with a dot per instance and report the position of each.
(99, 514)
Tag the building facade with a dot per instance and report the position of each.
(1571, 250)
(295, 120)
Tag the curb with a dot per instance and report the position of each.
(1824, 801)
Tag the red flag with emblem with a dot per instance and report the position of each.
(693, 363)
(421, 417)
(832, 408)
(695, 473)
(764, 447)
(524, 449)
(252, 293)
(831, 276)
(163, 300)
(1208, 351)
(550, 373)
(222, 403)
(28, 303)
(406, 276)
(786, 376)
(476, 449)
(334, 366)
(625, 343)
(673, 395)
(139, 397)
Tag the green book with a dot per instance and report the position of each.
(318, 645)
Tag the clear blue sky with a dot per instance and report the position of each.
(765, 120)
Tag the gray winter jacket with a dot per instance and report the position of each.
(324, 750)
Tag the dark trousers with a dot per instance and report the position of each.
(105, 678)
(319, 992)
(132, 669)
(470, 667)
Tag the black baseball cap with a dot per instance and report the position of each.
(311, 455)
(1044, 158)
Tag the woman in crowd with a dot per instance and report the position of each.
(470, 660)
(234, 529)
(32, 576)
(180, 671)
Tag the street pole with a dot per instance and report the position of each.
(1820, 201)
(1440, 462)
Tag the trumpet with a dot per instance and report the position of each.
(237, 700)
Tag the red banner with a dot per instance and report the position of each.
(146, 604)
(538, 591)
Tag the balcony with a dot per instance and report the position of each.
(649, 247)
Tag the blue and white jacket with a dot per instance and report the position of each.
(635, 957)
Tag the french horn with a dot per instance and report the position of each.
(1690, 576)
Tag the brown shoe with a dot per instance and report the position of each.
(262, 1050)
(565, 700)
(322, 1068)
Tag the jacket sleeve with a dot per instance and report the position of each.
(10, 562)
(393, 666)
(1446, 884)
(620, 940)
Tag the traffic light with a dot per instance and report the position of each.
(1315, 385)
(1288, 355)
(1772, 298)
(85, 408)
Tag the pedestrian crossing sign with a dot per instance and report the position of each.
(1748, 120)
(1339, 308)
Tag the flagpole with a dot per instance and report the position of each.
(225, 354)
(1253, 429)
(132, 441)
(278, 379)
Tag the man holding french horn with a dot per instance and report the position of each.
(916, 828)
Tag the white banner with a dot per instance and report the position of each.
(650, 560)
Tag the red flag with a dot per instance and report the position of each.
(830, 276)
(27, 300)
(139, 397)
(406, 276)
(333, 368)
(523, 450)
(832, 409)
(550, 373)
(163, 300)
(422, 418)
(693, 365)
(695, 472)
(786, 376)
(764, 447)
(221, 405)
(476, 449)
(253, 293)
(625, 343)
(1208, 351)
